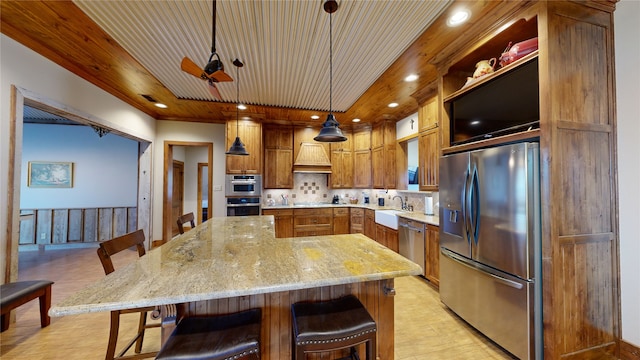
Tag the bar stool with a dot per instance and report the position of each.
(220, 337)
(332, 325)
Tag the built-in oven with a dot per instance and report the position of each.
(243, 206)
(243, 185)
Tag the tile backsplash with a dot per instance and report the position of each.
(314, 188)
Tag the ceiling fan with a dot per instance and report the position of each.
(213, 72)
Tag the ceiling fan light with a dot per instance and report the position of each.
(237, 148)
(330, 131)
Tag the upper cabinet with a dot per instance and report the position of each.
(562, 95)
(383, 155)
(278, 157)
(342, 163)
(362, 158)
(250, 132)
(428, 114)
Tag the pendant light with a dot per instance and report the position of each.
(330, 131)
(237, 148)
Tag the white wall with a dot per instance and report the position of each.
(190, 132)
(105, 172)
(627, 32)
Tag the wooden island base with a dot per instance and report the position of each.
(376, 296)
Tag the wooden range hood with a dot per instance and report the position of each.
(312, 158)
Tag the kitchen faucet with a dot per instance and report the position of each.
(402, 204)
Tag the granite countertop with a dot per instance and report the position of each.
(237, 256)
(413, 215)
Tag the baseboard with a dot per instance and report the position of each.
(629, 351)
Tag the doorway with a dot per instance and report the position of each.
(21, 98)
(171, 148)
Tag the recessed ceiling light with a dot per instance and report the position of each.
(356, 120)
(161, 105)
(392, 105)
(315, 117)
(242, 107)
(458, 17)
(412, 77)
(475, 122)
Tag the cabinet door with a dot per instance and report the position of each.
(357, 221)
(362, 140)
(389, 169)
(370, 223)
(251, 135)
(341, 169)
(340, 221)
(377, 165)
(362, 169)
(429, 153)
(278, 172)
(432, 254)
(283, 221)
(428, 114)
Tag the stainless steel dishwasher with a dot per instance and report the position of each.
(411, 238)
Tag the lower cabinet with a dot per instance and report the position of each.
(370, 223)
(312, 222)
(432, 254)
(387, 237)
(341, 220)
(357, 221)
(283, 221)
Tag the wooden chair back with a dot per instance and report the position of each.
(115, 245)
(186, 218)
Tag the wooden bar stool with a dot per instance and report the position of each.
(332, 325)
(220, 337)
(186, 218)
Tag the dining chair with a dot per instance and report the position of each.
(106, 250)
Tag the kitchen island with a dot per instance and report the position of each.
(235, 263)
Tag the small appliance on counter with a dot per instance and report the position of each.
(365, 197)
(380, 201)
(336, 199)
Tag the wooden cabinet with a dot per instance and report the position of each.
(362, 158)
(428, 114)
(312, 222)
(278, 157)
(283, 221)
(383, 155)
(387, 237)
(429, 158)
(341, 220)
(576, 88)
(250, 133)
(357, 220)
(432, 254)
(342, 163)
(370, 223)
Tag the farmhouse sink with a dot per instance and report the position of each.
(388, 218)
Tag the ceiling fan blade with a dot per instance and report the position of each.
(213, 89)
(221, 76)
(188, 66)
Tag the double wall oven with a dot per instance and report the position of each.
(243, 194)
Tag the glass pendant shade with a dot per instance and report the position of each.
(237, 148)
(330, 131)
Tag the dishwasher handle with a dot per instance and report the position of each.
(412, 228)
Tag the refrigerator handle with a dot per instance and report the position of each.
(465, 216)
(474, 206)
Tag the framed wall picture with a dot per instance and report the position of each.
(48, 174)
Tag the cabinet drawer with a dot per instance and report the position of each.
(341, 211)
(315, 211)
(277, 212)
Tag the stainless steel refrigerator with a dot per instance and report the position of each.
(490, 256)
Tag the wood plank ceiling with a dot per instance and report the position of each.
(133, 48)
